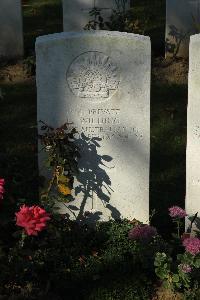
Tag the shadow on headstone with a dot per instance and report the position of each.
(93, 181)
(197, 223)
(177, 37)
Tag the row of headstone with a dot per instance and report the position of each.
(75, 17)
(182, 20)
(11, 31)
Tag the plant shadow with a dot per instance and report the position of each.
(93, 182)
(175, 40)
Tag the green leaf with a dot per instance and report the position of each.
(165, 266)
(166, 284)
(157, 263)
(178, 285)
(197, 263)
(175, 278)
(160, 273)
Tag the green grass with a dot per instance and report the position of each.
(128, 288)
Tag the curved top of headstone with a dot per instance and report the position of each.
(96, 33)
(195, 38)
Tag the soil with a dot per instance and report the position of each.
(166, 294)
(168, 71)
(14, 73)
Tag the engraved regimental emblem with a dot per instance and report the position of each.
(93, 75)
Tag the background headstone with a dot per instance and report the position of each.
(193, 130)
(76, 12)
(11, 32)
(100, 81)
(181, 16)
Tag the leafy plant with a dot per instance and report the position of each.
(97, 21)
(121, 19)
(29, 65)
(126, 21)
(62, 158)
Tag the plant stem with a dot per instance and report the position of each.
(178, 228)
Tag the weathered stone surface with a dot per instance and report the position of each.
(76, 12)
(181, 16)
(11, 34)
(100, 81)
(193, 130)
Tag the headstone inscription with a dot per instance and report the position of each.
(100, 81)
(193, 130)
(182, 18)
(11, 32)
(76, 12)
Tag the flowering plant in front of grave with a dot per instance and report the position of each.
(62, 158)
(177, 214)
(176, 272)
(143, 233)
(2, 190)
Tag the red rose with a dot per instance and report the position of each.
(33, 219)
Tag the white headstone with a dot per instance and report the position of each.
(11, 33)
(181, 16)
(193, 129)
(76, 12)
(100, 81)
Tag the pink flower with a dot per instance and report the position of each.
(192, 245)
(2, 190)
(177, 212)
(185, 268)
(142, 233)
(33, 219)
